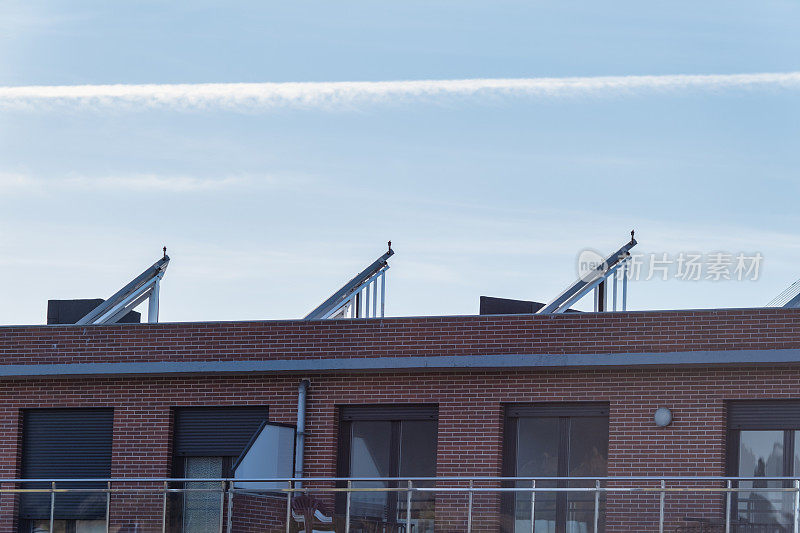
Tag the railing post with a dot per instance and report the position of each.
(221, 506)
(108, 509)
(728, 507)
(231, 486)
(408, 507)
(164, 508)
(52, 506)
(796, 505)
(347, 509)
(596, 505)
(533, 507)
(469, 509)
(662, 494)
(289, 508)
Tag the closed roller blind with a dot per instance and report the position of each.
(216, 431)
(764, 414)
(66, 443)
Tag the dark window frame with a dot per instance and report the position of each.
(563, 411)
(394, 413)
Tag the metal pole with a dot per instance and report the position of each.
(796, 505)
(164, 508)
(469, 510)
(625, 285)
(52, 505)
(375, 298)
(347, 510)
(221, 506)
(230, 507)
(152, 304)
(408, 507)
(596, 505)
(604, 295)
(367, 291)
(533, 507)
(300, 431)
(614, 291)
(728, 508)
(383, 292)
(661, 508)
(108, 509)
(289, 509)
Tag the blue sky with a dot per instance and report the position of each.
(266, 210)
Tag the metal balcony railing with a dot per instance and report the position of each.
(736, 496)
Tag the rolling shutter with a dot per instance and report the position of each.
(216, 431)
(764, 414)
(66, 443)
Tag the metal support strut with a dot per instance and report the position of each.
(358, 298)
(144, 286)
(595, 279)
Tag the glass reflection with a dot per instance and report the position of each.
(537, 455)
(374, 454)
(588, 456)
(761, 454)
(550, 447)
(418, 440)
(369, 457)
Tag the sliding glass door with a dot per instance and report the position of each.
(556, 440)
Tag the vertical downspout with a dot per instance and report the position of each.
(302, 392)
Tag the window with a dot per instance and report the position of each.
(207, 442)
(65, 443)
(763, 442)
(388, 441)
(555, 440)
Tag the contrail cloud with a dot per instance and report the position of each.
(254, 97)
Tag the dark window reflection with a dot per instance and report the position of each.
(405, 448)
(537, 455)
(369, 457)
(560, 446)
(588, 456)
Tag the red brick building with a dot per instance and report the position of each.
(465, 396)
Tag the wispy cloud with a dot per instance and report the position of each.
(246, 97)
(144, 183)
(155, 183)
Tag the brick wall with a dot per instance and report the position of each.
(470, 429)
(470, 402)
(468, 335)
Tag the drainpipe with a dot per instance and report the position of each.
(302, 392)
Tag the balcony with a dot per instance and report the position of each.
(405, 505)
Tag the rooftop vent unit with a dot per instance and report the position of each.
(145, 286)
(358, 298)
(70, 311)
(596, 278)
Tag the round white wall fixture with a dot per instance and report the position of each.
(662, 417)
